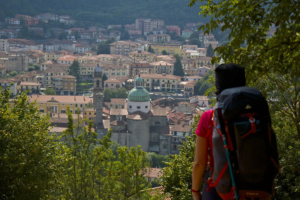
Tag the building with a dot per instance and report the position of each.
(203, 61)
(80, 48)
(30, 87)
(11, 84)
(31, 21)
(202, 51)
(115, 83)
(159, 38)
(116, 103)
(58, 104)
(202, 101)
(201, 71)
(144, 25)
(214, 44)
(167, 58)
(137, 56)
(2, 70)
(141, 68)
(186, 33)
(47, 16)
(162, 67)
(189, 47)
(157, 23)
(175, 29)
(115, 71)
(66, 59)
(64, 84)
(125, 47)
(8, 33)
(50, 73)
(13, 21)
(187, 63)
(14, 62)
(169, 48)
(23, 44)
(206, 37)
(66, 19)
(188, 88)
(161, 82)
(4, 45)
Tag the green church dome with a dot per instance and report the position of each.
(138, 94)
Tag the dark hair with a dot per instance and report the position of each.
(229, 76)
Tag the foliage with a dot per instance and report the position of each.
(210, 51)
(104, 78)
(31, 69)
(93, 172)
(150, 49)
(107, 12)
(178, 70)
(49, 91)
(119, 93)
(156, 160)
(125, 36)
(195, 35)
(13, 73)
(62, 35)
(177, 179)
(164, 52)
(36, 67)
(265, 40)
(195, 41)
(75, 70)
(77, 35)
(204, 82)
(27, 168)
(103, 47)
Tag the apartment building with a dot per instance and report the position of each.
(64, 84)
(11, 84)
(23, 44)
(30, 87)
(125, 47)
(141, 68)
(189, 47)
(203, 61)
(14, 62)
(143, 24)
(4, 45)
(169, 48)
(161, 82)
(58, 104)
(137, 56)
(162, 67)
(157, 23)
(2, 70)
(115, 83)
(175, 29)
(50, 73)
(13, 21)
(159, 38)
(214, 44)
(186, 33)
(47, 16)
(68, 59)
(115, 71)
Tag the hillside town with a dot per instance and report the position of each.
(156, 73)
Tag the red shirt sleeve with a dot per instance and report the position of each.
(204, 123)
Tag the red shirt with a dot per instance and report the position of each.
(202, 131)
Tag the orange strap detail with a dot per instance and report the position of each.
(214, 184)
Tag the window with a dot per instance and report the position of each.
(71, 110)
(63, 111)
(138, 107)
(146, 107)
(89, 113)
(175, 133)
(41, 110)
(80, 105)
(157, 123)
(130, 106)
(164, 146)
(76, 105)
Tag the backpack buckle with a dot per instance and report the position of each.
(252, 120)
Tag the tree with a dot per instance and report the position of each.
(157, 160)
(77, 35)
(36, 67)
(210, 51)
(125, 36)
(75, 70)
(13, 73)
(49, 91)
(28, 157)
(195, 41)
(195, 35)
(164, 52)
(178, 70)
(271, 61)
(150, 49)
(62, 35)
(31, 68)
(103, 47)
(104, 78)
(177, 179)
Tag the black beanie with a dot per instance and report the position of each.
(229, 76)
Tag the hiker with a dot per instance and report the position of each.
(235, 154)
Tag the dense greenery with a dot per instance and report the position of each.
(204, 84)
(210, 51)
(150, 49)
(271, 63)
(105, 12)
(49, 91)
(178, 70)
(74, 165)
(195, 41)
(156, 160)
(103, 47)
(75, 70)
(119, 93)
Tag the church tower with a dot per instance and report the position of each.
(98, 97)
(98, 87)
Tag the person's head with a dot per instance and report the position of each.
(229, 76)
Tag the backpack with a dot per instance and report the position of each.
(241, 118)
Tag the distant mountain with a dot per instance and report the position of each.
(104, 12)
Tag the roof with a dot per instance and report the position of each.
(115, 80)
(67, 58)
(138, 94)
(191, 83)
(61, 99)
(117, 101)
(160, 76)
(159, 63)
(159, 111)
(138, 115)
(118, 112)
(2, 66)
(118, 123)
(153, 172)
(29, 83)
(53, 129)
(180, 128)
(64, 76)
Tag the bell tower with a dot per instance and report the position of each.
(98, 88)
(99, 110)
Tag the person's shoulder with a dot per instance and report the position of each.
(208, 112)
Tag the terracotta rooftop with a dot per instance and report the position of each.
(115, 80)
(29, 83)
(138, 115)
(160, 76)
(61, 99)
(153, 173)
(117, 101)
(118, 111)
(180, 128)
(161, 63)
